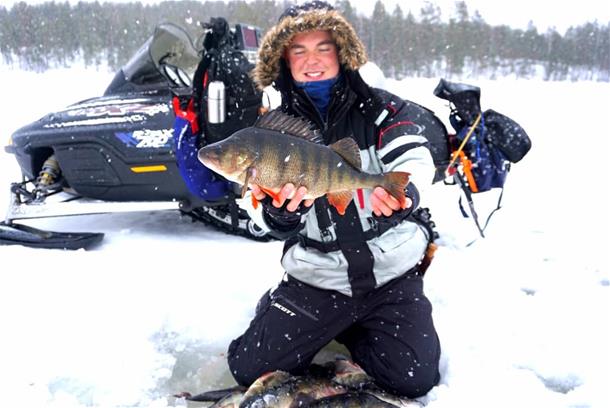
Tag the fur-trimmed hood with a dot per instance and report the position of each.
(352, 54)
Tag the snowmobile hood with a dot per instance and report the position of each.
(116, 111)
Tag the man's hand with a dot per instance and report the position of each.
(383, 203)
(287, 192)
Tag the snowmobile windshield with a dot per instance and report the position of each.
(168, 54)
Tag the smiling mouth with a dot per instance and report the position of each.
(315, 74)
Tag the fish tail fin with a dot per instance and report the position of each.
(395, 183)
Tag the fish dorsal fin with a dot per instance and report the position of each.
(349, 150)
(282, 122)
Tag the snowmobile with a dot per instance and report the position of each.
(116, 152)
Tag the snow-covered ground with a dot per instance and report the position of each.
(523, 315)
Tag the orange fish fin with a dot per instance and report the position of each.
(348, 149)
(271, 193)
(395, 183)
(254, 202)
(340, 200)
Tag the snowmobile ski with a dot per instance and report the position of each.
(19, 234)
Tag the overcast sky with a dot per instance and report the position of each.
(515, 13)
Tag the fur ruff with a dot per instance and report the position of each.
(352, 54)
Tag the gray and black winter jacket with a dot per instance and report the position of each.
(356, 252)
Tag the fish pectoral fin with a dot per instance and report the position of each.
(340, 200)
(244, 189)
(250, 174)
(275, 196)
(348, 149)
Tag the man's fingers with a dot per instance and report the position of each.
(286, 192)
(388, 200)
(296, 199)
(382, 209)
(384, 203)
(379, 206)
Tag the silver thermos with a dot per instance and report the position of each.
(216, 102)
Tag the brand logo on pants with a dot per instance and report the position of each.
(284, 309)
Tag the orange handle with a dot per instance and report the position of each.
(467, 166)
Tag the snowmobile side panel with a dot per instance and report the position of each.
(111, 148)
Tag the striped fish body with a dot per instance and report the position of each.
(328, 385)
(272, 157)
(284, 158)
(351, 400)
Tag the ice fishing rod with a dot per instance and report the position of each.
(456, 154)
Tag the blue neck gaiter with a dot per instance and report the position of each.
(319, 92)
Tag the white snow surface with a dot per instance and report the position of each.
(523, 315)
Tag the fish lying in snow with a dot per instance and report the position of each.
(280, 149)
(336, 384)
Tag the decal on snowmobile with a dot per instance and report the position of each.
(94, 122)
(149, 169)
(120, 110)
(146, 138)
(107, 101)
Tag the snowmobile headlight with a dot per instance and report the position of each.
(10, 140)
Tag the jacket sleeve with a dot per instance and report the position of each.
(402, 144)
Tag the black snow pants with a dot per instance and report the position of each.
(389, 333)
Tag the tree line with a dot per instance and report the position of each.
(402, 44)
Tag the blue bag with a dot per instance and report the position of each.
(489, 165)
(201, 181)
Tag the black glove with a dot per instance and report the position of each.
(282, 222)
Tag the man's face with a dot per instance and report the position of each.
(312, 56)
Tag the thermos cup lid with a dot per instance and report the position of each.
(216, 90)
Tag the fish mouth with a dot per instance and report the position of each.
(209, 157)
